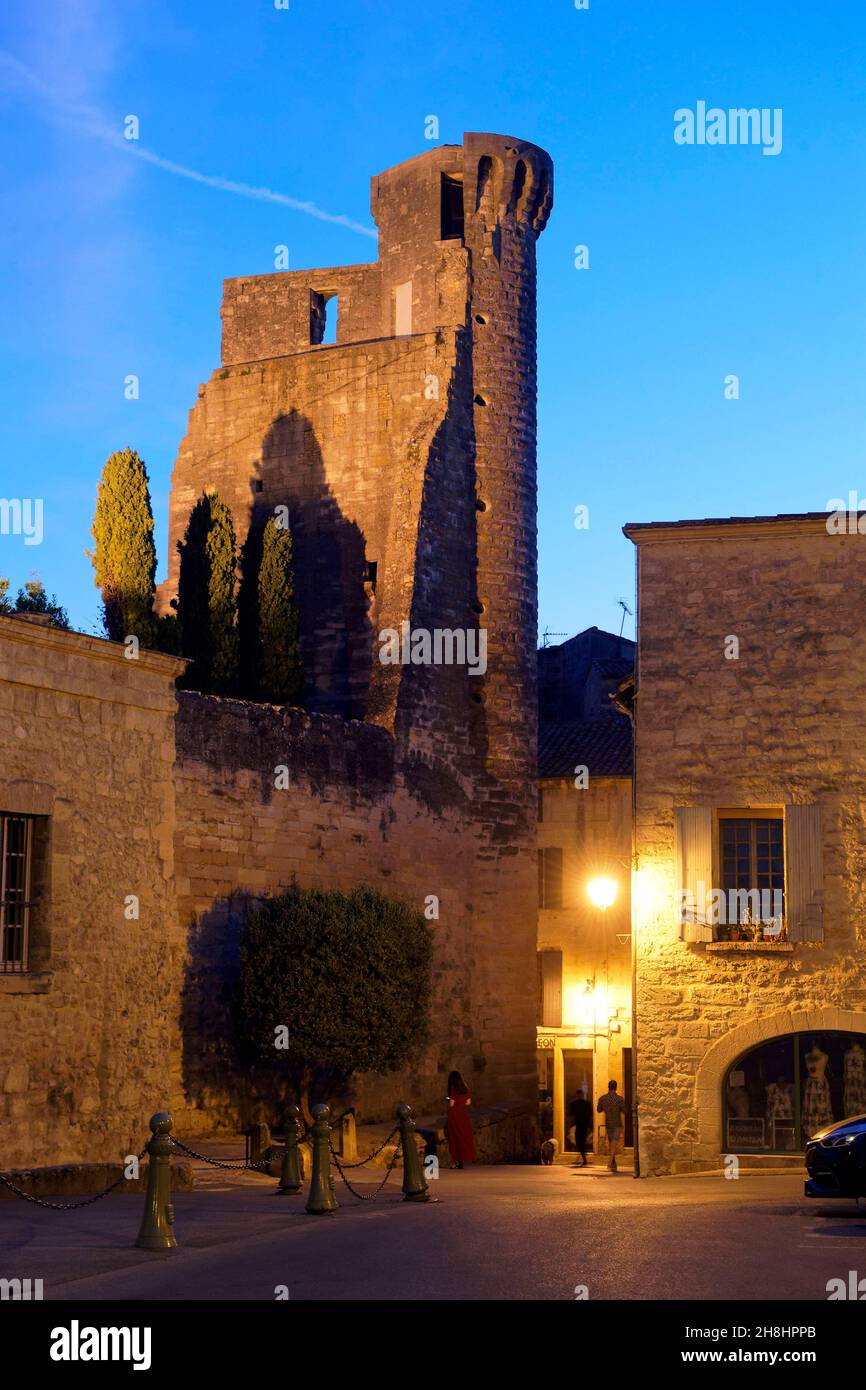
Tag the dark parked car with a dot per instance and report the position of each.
(836, 1160)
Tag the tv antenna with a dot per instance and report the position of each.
(625, 610)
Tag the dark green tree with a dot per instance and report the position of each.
(124, 553)
(5, 605)
(33, 599)
(347, 975)
(207, 598)
(281, 678)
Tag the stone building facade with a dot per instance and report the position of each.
(584, 837)
(404, 454)
(750, 773)
(90, 972)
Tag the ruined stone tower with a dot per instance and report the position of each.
(405, 453)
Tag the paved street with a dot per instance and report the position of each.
(493, 1233)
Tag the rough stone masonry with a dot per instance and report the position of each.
(405, 454)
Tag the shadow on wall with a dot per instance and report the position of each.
(330, 565)
(444, 704)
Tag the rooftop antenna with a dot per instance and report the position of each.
(625, 609)
(547, 634)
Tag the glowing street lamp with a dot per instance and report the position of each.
(602, 892)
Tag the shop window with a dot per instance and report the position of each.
(550, 878)
(782, 1092)
(16, 876)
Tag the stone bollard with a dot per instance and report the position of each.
(320, 1198)
(291, 1179)
(415, 1187)
(348, 1137)
(157, 1226)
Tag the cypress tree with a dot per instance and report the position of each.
(124, 553)
(281, 676)
(207, 603)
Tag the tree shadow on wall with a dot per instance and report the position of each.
(330, 568)
(441, 706)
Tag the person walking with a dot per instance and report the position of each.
(581, 1112)
(612, 1107)
(461, 1140)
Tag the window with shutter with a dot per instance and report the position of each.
(804, 873)
(550, 989)
(694, 836)
(550, 878)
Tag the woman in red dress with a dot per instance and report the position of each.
(461, 1140)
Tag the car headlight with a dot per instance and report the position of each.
(841, 1141)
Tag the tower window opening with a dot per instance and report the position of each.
(452, 207)
(331, 308)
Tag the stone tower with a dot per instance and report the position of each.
(405, 454)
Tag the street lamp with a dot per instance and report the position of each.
(602, 892)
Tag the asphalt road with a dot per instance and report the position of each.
(492, 1233)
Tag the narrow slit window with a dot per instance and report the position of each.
(452, 208)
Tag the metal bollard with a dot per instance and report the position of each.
(157, 1226)
(321, 1197)
(415, 1187)
(291, 1179)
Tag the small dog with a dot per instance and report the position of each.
(548, 1149)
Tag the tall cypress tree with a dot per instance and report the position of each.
(281, 676)
(124, 553)
(207, 601)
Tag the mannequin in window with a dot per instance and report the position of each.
(817, 1106)
(780, 1100)
(854, 1073)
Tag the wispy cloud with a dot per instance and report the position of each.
(17, 78)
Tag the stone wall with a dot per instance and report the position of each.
(87, 747)
(780, 725)
(349, 816)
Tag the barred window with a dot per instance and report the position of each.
(16, 869)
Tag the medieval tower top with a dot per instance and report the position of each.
(404, 450)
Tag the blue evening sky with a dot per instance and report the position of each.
(704, 260)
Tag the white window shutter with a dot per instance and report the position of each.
(694, 834)
(804, 873)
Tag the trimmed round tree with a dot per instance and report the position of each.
(281, 678)
(124, 553)
(207, 599)
(342, 979)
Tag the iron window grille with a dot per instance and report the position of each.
(16, 871)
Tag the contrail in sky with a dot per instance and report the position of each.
(93, 122)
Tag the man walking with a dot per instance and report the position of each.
(612, 1107)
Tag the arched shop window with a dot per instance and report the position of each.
(777, 1095)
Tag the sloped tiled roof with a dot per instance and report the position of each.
(608, 666)
(603, 746)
